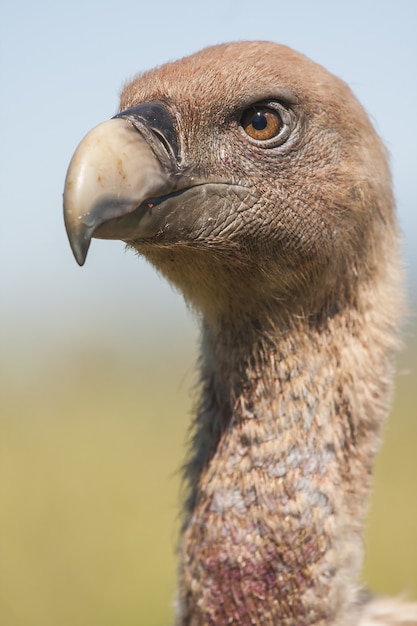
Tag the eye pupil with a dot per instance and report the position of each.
(259, 121)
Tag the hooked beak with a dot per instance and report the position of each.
(119, 165)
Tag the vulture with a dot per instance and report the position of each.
(252, 179)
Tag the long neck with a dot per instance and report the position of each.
(280, 472)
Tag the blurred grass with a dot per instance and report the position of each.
(391, 536)
(90, 448)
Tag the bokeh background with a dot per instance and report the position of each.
(97, 364)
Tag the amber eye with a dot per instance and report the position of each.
(261, 123)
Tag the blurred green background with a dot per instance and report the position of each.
(96, 365)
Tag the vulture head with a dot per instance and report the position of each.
(254, 181)
(244, 170)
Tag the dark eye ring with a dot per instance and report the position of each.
(261, 123)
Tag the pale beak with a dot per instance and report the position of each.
(113, 171)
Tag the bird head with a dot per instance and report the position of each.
(245, 173)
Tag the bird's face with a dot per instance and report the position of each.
(243, 169)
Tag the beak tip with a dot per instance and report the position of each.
(79, 249)
(79, 236)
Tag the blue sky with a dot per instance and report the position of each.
(62, 66)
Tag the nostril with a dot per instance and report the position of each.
(156, 118)
(166, 144)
